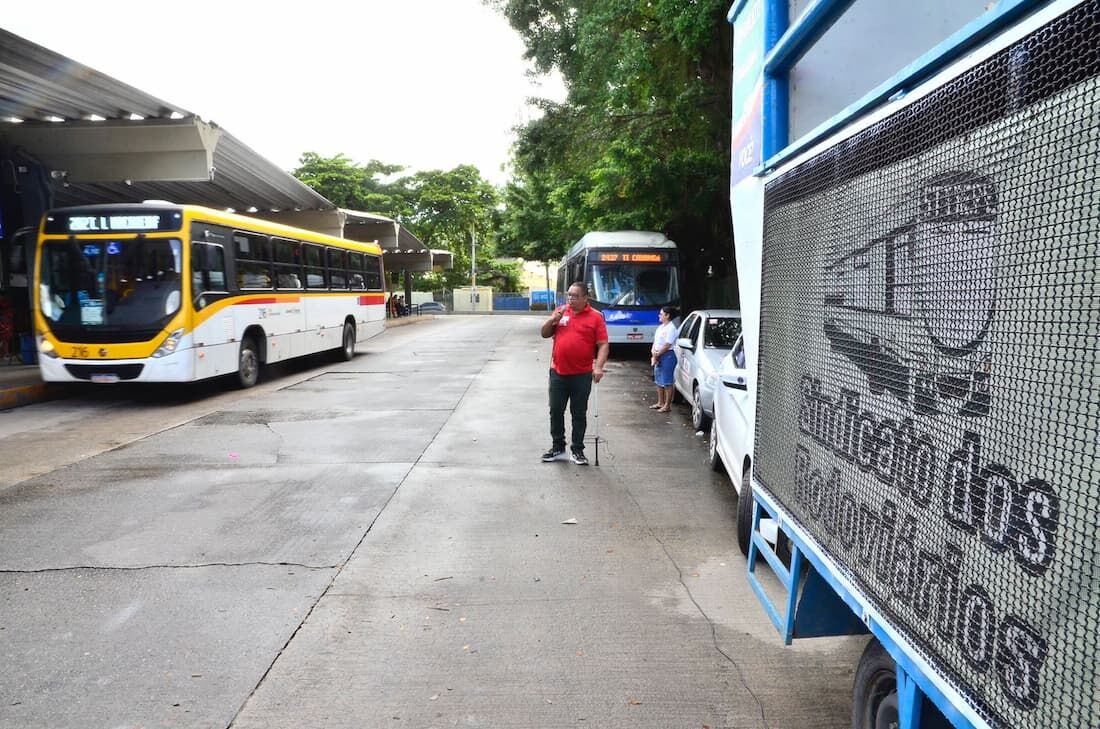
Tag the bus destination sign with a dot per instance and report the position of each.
(116, 222)
(653, 257)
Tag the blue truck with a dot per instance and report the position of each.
(915, 192)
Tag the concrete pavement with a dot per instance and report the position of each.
(375, 543)
(21, 384)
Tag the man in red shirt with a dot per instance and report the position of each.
(579, 335)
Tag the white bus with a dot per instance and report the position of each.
(155, 292)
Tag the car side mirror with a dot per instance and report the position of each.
(684, 342)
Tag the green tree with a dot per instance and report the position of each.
(353, 186)
(456, 210)
(444, 209)
(642, 139)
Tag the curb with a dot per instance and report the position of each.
(16, 396)
(20, 395)
(406, 320)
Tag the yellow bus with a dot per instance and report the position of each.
(157, 292)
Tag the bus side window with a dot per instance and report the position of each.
(576, 273)
(315, 267)
(355, 270)
(253, 254)
(337, 268)
(207, 269)
(288, 263)
(373, 269)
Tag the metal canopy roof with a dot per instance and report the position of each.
(37, 83)
(400, 248)
(62, 103)
(104, 141)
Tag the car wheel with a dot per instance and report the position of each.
(744, 513)
(698, 417)
(347, 343)
(248, 364)
(713, 458)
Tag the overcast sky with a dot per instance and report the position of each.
(429, 84)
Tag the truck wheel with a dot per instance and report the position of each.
(347, 343)
(875, 690)
(744, 514)
(248, 364)
(698, 417)
(875, 703)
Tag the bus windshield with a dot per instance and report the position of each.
(631, 284)
(110, 285)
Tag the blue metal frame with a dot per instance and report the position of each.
(758, 546)
(913, 683)
(814, 22)
(784, 46)
(807, 30)
(777, 86)
(735, 10)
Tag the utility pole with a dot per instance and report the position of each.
(473, 258)
(473, 269)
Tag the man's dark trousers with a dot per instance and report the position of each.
(573, 389)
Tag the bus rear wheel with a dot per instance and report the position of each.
(347, 343)
(248, 364)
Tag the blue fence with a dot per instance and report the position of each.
(511, 302)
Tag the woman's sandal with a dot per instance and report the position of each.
(664, 410)
(654, 407)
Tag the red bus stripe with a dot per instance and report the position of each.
(363, 300)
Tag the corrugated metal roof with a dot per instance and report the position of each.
(242, 179)
(39, 84)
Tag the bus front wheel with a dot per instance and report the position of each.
(248, 364)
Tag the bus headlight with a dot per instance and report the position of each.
(46, 348)
(168, 346)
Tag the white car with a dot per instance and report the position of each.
(705, 337)
(731, 435)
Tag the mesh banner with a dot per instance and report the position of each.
(929, 387)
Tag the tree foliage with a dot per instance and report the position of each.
(445, 209)
(641, 141)
(353, 186)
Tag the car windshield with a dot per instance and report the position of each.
(721, 332)
(98, 286)
(626, 284)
